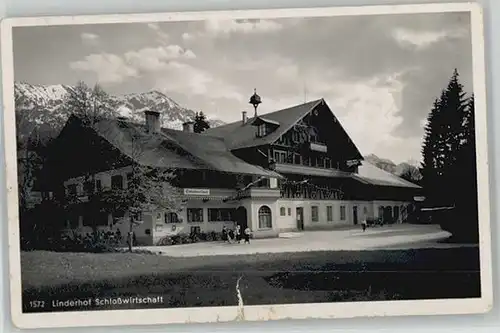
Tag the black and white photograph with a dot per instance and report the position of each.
(251, 165)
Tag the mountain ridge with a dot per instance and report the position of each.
(389, 166)
(42, 105)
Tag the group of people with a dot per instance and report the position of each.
(236, 235)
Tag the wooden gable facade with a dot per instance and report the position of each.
(315, 155)
(316, 140)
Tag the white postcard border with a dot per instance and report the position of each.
(264, 312)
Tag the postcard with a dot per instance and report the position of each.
(201, 167)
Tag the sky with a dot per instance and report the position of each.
(379, 74)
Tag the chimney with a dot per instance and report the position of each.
(153, 121)
(244, 117)
(188, 126)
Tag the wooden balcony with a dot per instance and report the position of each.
(259, 192)
(310, 171)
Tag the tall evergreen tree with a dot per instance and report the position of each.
(448, 167)
(466, 176)
(432, 160)
(453, 115)
(200, 122)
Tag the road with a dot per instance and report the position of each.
(394, 237)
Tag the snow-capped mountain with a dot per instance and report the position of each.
(42, 106)
(390, 166)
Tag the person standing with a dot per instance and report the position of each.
(363, 225)
(237, 233)
(247, 233)
(224, 234)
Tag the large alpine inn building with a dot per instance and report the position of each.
(293, 169)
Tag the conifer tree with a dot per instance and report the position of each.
(432, 161)
(466, 177)
(448, 167)
(200, 122)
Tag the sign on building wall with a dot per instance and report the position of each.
(350, 163)
(196, 191)
(318, 147)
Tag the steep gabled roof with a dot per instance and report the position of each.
(174, 149)
(238, 135)
(214, 152)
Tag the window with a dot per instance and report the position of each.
(117, 182)
(72, 189)
(283, 157)
(195, 214)
(88, 188)
(276, 156)
(261, 130)
(118, 215)
(98, 185)
(342, 213)
(297, 159)
(283, 211)
(314, 214)
(289, 211)
(328, 163)
(381, 211)
(329, 213)
(280, 156)
(396, 213)
(171, 217)
(264, 183)
(137, 216)
(265, 218)
(320, 161)
(220, 214)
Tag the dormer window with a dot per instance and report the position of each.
(264, 126)
(261, 130)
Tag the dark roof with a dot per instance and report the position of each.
(239, 135)
(213, 151)
(174, 149)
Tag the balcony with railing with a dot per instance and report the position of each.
(309, 170)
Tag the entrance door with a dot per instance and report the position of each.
(355, 214)
(300, 217)
(241, 217)
(388, 215)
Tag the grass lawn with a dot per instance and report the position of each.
(265, 278)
